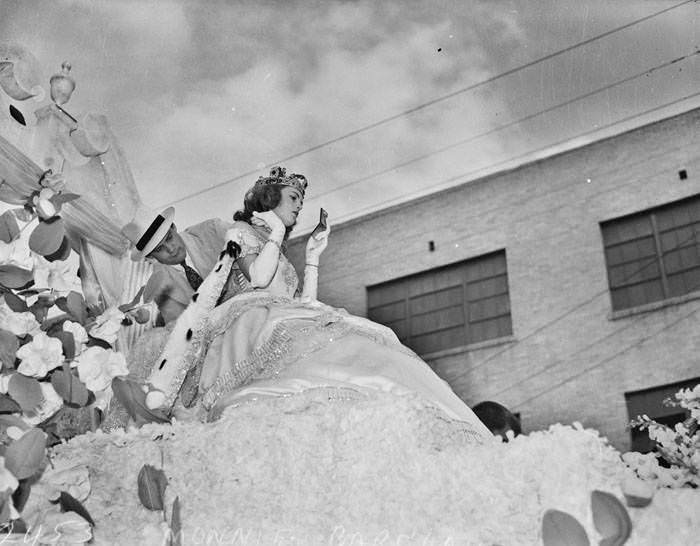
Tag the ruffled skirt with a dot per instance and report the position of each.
(264, 345)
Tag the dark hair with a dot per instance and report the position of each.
(497, 417)
(259, 199)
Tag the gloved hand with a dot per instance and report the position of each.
(271, 220)
(316, 245)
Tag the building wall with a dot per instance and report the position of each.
(568, 359)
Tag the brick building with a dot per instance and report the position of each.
(568, 289)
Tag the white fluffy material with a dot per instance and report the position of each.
(382, 470)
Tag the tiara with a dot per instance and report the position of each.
(278, 176)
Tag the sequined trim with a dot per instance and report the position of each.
(313, 394)
(262, 357)
(223, 316)
(270, 358)
(205, 321)
(281, 351)
(291, 280)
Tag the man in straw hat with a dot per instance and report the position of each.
(181, 259)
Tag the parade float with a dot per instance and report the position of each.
(379, 469)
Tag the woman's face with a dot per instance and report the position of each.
(289, 206)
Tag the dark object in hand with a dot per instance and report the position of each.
(322, 223)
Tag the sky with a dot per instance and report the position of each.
(204, 95)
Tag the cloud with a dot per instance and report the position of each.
(344, 67)
(199, 92)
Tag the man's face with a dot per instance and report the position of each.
(171, 250)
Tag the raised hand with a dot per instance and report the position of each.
(271, 220)
(316, 245)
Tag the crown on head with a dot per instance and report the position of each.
(278, 175)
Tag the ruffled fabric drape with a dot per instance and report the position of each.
(19, 175)
(108, 199)
(268, 345)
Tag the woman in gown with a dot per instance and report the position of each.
(271, 337)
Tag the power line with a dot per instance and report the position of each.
(522, 204)
(559, 317)
(652, 261)
(507, 125)
(467, 175)
(431, 102)
(563, 316)
(554, 320)
(608, 359)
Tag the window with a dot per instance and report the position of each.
(653, 255)
(452, 306)
(650, 402)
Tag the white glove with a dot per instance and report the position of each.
(262, 270)
(271, 220)
(316, 245)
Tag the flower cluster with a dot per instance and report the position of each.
(57, 361)
(679, 446)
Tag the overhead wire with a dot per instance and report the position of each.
(607, 359)
(506, 125)
(651, 159)
(551, 322)
(429, 103)
(443, 223)
(469, 175)
(630, 324)
(450, 95)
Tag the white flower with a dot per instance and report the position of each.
(44, 208)
(51, 404)
(16, 253)
(5, 382)
(17, 323)
(14, 432)
(97, 366)
(107, 325)
(695, 460)
(7, 479)
(8, 483)
(46, 194)
(60, 275)
(75, 480)
(41, 355)
(79, 335)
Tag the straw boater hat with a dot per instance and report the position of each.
(147, 230)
